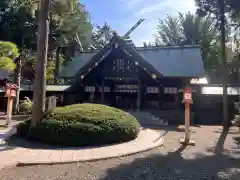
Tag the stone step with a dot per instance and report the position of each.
(147, 118)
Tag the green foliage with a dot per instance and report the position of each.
(8, 52)
(232, 7)
(85, 124)
(236, 118)
(30, 62)
(212, 7)
(102, 35)
(18, 23)
(25, 106)
(23, 128)
(189, 29)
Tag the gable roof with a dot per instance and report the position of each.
(171, 61)
(175, 61)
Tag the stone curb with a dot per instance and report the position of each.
(158, 144)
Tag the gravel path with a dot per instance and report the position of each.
(170, 162)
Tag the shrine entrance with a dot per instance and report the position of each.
(125, 96)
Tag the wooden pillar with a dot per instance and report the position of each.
(187, 122)
(9, 111)
(102, 91)
(187, 99)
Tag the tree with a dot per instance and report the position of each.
(8, 55)
(18, 23)
(8, 52)
(68, 20)
(39, 92)
(102, 35)
(218, 9)
(169, 31)
(190, 29)
(232, 7)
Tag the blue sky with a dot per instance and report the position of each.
(121, 15)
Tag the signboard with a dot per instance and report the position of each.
(10, 90)
(120, 69)
(187, 97)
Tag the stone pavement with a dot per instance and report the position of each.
(15, 155)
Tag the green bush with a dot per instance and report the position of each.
(85, 124)
(25, 106)
(236, 117)
(23, 128)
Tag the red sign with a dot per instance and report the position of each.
(10, 90)
(187, 94)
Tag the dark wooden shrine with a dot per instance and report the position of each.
(123, 76)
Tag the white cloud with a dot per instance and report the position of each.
(168, 6)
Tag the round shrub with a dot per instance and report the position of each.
(86, 124)
(25, 107)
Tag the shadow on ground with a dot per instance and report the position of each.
(213, 164)
(174, 166)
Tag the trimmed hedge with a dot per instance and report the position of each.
(84, 124)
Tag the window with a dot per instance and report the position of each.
(89, 89)
(170, 90)
(106, 89)
(152, 90)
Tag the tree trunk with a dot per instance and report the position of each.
(18, 83)
(39, 91)
(57, 65)
(224, 64)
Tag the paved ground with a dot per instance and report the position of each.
(18, 151)
(170, 162)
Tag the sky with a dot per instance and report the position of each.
(121, 15)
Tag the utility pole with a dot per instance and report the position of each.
(39, 91)
(224, 63)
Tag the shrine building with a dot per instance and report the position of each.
(149, 79)
(129, 77)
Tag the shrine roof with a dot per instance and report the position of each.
(170, 61)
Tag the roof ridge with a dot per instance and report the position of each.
(149, 48)
(168, 47)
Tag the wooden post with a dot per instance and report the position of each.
(9, 110)
(187, 99)
(187, 122)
